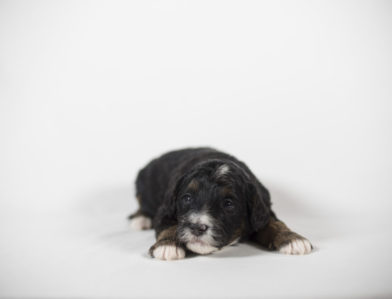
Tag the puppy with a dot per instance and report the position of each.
(200, 200)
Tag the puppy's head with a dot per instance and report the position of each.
(216, 203)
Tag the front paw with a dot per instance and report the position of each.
(297, 245)
(167, 251)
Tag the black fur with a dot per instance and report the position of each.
(164, 181)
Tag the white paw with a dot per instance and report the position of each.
(200, 247)
(168, 252)
(140, 223)
(297, 246)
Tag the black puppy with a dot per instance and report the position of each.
(201, 200)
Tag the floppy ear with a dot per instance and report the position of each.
(258, 207)
(167, 213)
(258, 198)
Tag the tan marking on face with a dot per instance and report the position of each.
(193, 185)
(226, 192)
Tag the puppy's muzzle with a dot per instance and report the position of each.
(198, 229)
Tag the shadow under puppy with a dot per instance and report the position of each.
(201, 200)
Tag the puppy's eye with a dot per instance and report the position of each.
(186, 198)
(228, 203)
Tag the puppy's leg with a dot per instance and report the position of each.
(166, 247)
(277, 236)
(139, 221)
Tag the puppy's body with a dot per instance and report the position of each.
(202, 200)
(157, 178)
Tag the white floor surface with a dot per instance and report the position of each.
(90, 91)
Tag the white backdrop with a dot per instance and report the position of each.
(91, 91)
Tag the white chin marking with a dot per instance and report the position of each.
(200, 247)
(168, 252)
(202, 244)
(140, 223)
(297, 246)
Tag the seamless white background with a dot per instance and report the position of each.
(90, 91)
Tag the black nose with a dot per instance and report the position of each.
(198, 229)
